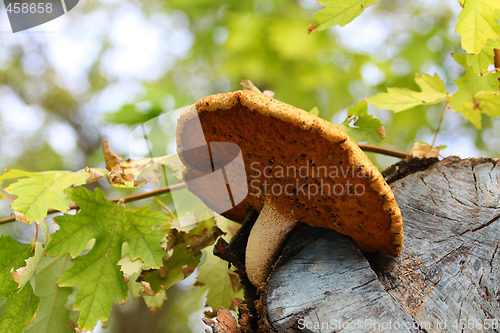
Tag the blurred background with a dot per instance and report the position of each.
(97, 72)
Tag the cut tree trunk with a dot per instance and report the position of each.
(446, 279)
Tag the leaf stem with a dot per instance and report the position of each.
(440, 121)
(165, 206)
(125, 199)
(36, 233)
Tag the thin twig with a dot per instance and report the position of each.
(165, 206)
(125, 199)
(383, 150)
(440, 121)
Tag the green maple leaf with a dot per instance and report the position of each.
(477, 22)
(482, 103)
(472, 83)
(489, 104)
(23, 274)
(12, 256)
(339, 12)
(96, 273)
(176, 268)
(362, 126)
(223, 284)
(470, 112)
(52, 315)
(21, 308)
(45, 190)
(481, 61)
(14, 174)
(185, 255)
(400, 99)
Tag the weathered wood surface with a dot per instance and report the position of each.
(447, 278)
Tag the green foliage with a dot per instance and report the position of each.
(21, 307)
(183, 255)
(45, 190)
(477, 22)
(96, 273)
(21, 303)
(14, 174)
(471, 83)
(362, 126)
(477, 89)
(401, 99)
(339, 12)
(52, 315)
(223, 284)
(479, 62)
(12, 256)
(23, 274)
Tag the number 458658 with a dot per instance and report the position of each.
(26, 8)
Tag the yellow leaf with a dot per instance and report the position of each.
(477, 22)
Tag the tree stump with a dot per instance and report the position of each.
(446, 279)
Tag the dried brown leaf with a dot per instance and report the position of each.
(421, 150)
(110, 157)
(225, 323)
(93, 175)
(20, 217)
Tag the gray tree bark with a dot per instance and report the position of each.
(446, 279)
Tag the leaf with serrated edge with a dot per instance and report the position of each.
(214, 274)
(179, 266)
(362, 126)
(482, 103)
(96, 273)
(476, 23)
(185, 254)
(400, 99)
(339, 12)
(52, 315)
(21, 308)
(472, 83)
(471, 113)
(13, 256)
(489, 104)
(127, 265)
(37, 194)
(481, 61)
(23, 274)
(14, 174)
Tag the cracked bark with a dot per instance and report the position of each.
(449, 269)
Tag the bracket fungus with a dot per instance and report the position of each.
(297, 167)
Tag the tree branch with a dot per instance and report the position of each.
(125, 199)
(383, 150)
(497, 58)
